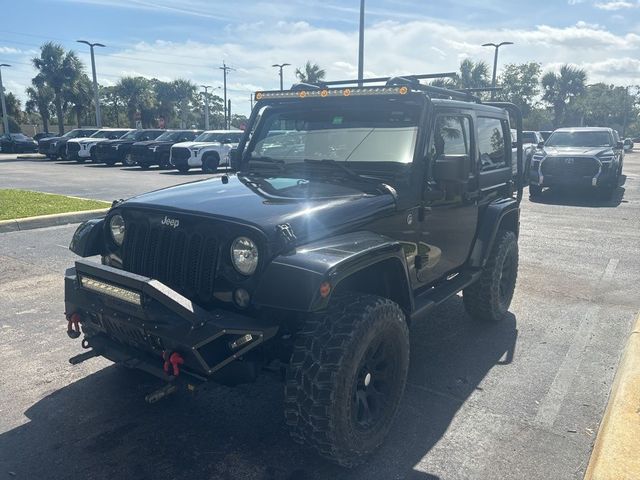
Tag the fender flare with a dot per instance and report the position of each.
(502, 212)
(292, 281)
(87, 240)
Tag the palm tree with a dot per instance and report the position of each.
(560, 88)
(112, 100)
(59, 70)
(137, 95)
(472, 75)
(312, 73)
(80, 95)
(40, 100)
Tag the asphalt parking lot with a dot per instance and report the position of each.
(522, 399)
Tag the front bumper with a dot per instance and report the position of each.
(109, 154)
(142, 332)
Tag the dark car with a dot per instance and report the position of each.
(158, 151)
(586, 156)
(119, 151)
(55, 147)
(17, 143)
(316, 257)
(39, 136)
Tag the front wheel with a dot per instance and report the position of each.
(346, 377)
(128, 161)
(488, 299)
(183, 169)
(535, 191)
(210, 164)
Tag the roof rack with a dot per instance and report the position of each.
(386, 79)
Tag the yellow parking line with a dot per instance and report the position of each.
(616, 453)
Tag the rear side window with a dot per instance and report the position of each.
(491, 144)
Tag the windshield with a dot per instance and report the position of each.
(579, 139)
(132, 135)
(169, 136)
(529, 137)
(381, 131)
(72, 134)
(222, 137)
(109, 133)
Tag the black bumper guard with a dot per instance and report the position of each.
(138, 333)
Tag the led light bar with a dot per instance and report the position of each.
(333, 92)
(110, 290)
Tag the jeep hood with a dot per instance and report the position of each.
(587, 151)
(240, 201)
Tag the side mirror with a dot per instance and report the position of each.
(619, 145)
(451, 168)
(540, 145)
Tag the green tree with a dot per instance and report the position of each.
(310, 73)
(80, 95)
(137, 96)
(14, 107)
(520, 84)
(112, 103)
(559, 89)
(40, 101)
(184, 92)
(59, 70)
(473, 74)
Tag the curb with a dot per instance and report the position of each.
(42, 221)
(615, 453)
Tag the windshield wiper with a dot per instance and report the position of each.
(276, 162)
(380, 186)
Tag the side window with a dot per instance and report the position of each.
(450, 136)
(491, 144)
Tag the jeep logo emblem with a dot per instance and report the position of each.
(170, 222)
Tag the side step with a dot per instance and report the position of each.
(437, 294)
(84, 356)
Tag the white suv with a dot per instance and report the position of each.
(209, 151)
(81, 149)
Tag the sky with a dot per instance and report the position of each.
(169, 39)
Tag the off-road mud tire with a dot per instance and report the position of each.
(488, 299)
(324, 376)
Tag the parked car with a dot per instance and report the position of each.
(586, 156)
(56, 147)
(83, 149)
(628, 144)
(319, 259)
(39, 136)
(530, 141)
(17, 143)
(209, 150)
(119, 150)
(545, 134)
(158, 151)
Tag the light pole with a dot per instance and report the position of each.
(225, 69)
(206, 106)
(280, 66)
(5, 117)
(361, 45)
(495, 63)
(95, 81)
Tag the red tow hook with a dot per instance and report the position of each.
(73, 325)
(172, 361)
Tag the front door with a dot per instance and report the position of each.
(451, 209)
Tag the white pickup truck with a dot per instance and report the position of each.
(82, 149)
(208, 151)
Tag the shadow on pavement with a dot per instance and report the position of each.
(581, 197)
(100, 428)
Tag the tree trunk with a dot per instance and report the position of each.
(59, 113)
(45, 123)
(78, 118)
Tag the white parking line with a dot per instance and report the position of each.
(552, 401)
(611, 269)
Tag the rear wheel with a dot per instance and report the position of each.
(80, 160)
(489, 298)
(210, 164)
(128, 161)
(110, 162)
(346, 377)
(183, 169)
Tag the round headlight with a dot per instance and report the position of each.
(116, 224)
(244, 255)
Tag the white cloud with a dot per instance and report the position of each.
(618, 5)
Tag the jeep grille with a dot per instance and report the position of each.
(184, 261)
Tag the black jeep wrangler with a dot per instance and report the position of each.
(353, 212)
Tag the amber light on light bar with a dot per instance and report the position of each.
(110, 290)
(332, 92)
